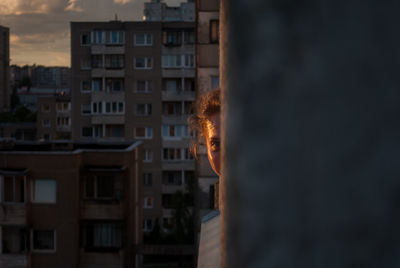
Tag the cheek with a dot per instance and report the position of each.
(214, 159)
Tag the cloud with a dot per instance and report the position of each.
(122, 2)
(73, 6)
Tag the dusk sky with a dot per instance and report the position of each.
(39, 29)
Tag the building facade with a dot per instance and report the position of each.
(135, 81)
(53, 120)
(4, 69)
(70, 208)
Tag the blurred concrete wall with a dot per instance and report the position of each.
(312, 133)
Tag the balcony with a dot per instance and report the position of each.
(178, 95)
(63, 128)
(12, 214)
(14, 260)
(103, 259)
(107, 119)
(110, 73)
(117, 96)
(101, 49)
(171, 189)
(99, 211)
(174, 119)
(179, 72)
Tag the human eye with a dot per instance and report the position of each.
(214, 145)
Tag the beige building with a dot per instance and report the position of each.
(70, 208)
(135, 81)
(4, 69)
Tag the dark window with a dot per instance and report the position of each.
(214, 31)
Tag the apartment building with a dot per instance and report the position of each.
(4, 69)
(207, 78)
(53, 120)
(70, 208)
(136, 81)
(157, 10)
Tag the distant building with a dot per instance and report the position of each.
(54, 117)
(41, 76)
(22, 131)
(157, 10)
(5, 69)
(70, 208)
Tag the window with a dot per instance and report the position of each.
(85, 86)
(188, 154)
(171, 131)
(97, 61)
(173, 85)
(85, 39)
(172, 154)
(214, 31)
(114, 85)
(63, 121)
(171, 61)
(143, 86)
(85, 108)
(46, 123)
(98, 130)
(188, 107)
(189, 84)
(103, 187)
(45, 107)
(114, 61)
(142, 39)
(188, 36)
(143, 62)
(108, 37)
(147, 225)
(13, 189)
(87, 132)
(63, 106)
(115, 131)
(97, 107)
(189, 60)
(44, 191)
(214, 82)
(148, 202)
(172, 177)
(85, 64)
(147, 179)
(102, 236)
(147, 155)
(143, 109)
(44, 240)
(143, 132)
(172, 38)
(97, 84)
(114, 107)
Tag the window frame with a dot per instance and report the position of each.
(36, 250)
(145, 38)
(33, 189)
(146, 67)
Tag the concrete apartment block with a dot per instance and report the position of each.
(77, 207)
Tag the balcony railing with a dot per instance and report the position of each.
(178, 95)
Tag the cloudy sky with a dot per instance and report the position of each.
(39, 29)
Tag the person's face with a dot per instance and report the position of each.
(213, 141)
